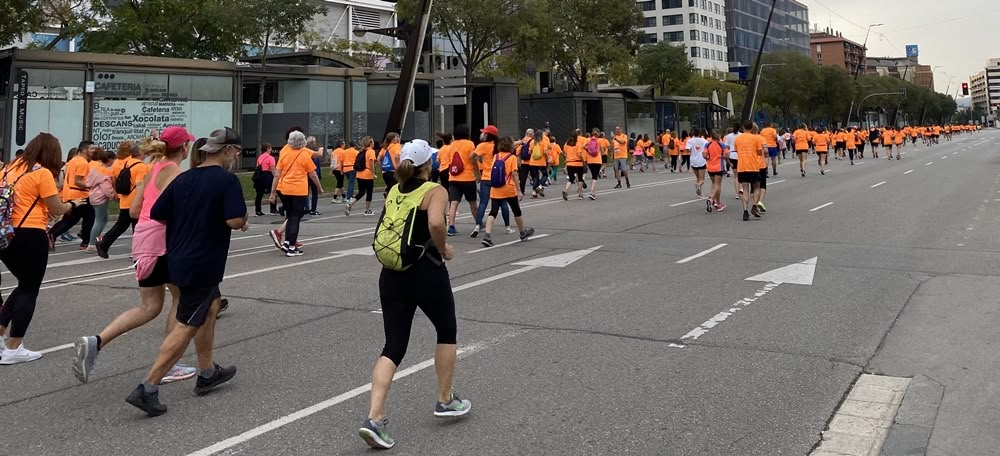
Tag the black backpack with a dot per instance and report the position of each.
(361, 162)
(123, 183)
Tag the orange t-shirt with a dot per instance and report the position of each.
(770, 136)
(581, 143)
(295, 166)
(138, 171)
(715, 152)
(367, 173)
(554, 152)
(801, 138)
(539, 148)
(621, 146)
(899, 137)
(748, 147)
(647, 148)
(464, 148)
(602, 144)
(78, 166)
(484, 152)
(508, 190)
(574, 155)
(822, 141)
(682, 144)
(673, 151)
(887, 137)
(444, 158)
(36, 185)
(394, 150)
(346, 160)
(664, 139)
(852, 141)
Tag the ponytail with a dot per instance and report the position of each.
(405, 171)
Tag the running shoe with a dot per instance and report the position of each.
(618, 186)
(314, 213)
(86, 357)
(258, 214)
(452, 231)
(67, 237)
(709, 206)
(475, 232)
(455, 407)
(755, 211)
(541, 191)
(565, 196)
(276, 239)
(585, 185)
(178, 373)
(527, 233)
(803, 172)
(147, 402)
(18, 355)
(368, 213)
(487, 241)
(509, 230)
(720, 207)
(746, 216)
(592, 197)
(222, 375)
(374, 433)
(83, 247)
(223, 305)
(822, 172)
(761, 207)
(697, 191)
(347, 210)
(775, 173)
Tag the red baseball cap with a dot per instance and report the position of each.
(175, 136)
(490, 130)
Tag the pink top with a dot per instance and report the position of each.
(101, 189)
(150, 239)
(266, 162)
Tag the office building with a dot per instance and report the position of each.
(745, 23)
(984, 87)
(830, 48)
(906, 68)
(699, 25)
(978, 91)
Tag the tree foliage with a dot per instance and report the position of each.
(369, 54)
(17, 17)
(665, 66)
(70, 18)
(587, 38)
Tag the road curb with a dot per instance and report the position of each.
(910, 433)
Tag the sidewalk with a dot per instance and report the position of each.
(950, 333)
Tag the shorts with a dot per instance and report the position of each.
(604, 159)
(621, 164)
(699, 168)
(194, 304)
(716, 173)
(595, 170)
(822, 153)
(734, 162)
(748, 177)
(763, 179)
(801, 152)
(840, 145)
(576, 173)
(457, 190)
(772, 152)
(160, 275)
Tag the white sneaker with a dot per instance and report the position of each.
(18, 355)
(509, 230)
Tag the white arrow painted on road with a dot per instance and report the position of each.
(801, 273)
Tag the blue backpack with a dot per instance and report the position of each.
(498, 175)
(526, 150)
(387, 165)
(435, 164)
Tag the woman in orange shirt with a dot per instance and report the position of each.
(444, 158)
(673, 148)
(647, 147)
(366, 178)
(575, 166)
(508, 192)
(715, 155)
(685, 153)
(822, 139)
(27, 253)
(293, 172)
(555, 153)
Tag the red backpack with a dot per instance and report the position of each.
(457, 164)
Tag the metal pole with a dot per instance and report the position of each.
(864, 47)
(748, 107)
(756, 84)
(408, 74)
(875, 95)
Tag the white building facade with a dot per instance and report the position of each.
(699, 25)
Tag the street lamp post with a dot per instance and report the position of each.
(748, 107)
(864, 47)
(756, 85)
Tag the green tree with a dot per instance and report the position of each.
(17, 17)
(275, 22)
(789, 86)
(665, 66)
(589, 39)
(703, 86)
(70, 18)
(833, 95)
(369, 54)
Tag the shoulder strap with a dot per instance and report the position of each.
(283, 172)
(33, 203)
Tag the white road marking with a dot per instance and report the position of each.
(686, 202)
(56, 348)
(701, 254)
(861, 163)
(801, 273)
(821, 207)
(929, 163)
(878, 184)
(944, 157)
(775, 182)
(908, 172)
(515, 241)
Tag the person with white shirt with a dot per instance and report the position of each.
(696, 145)
(730, 141)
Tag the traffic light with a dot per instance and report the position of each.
(965, 88)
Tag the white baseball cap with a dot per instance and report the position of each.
(416, 151)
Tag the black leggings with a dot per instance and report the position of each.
(258, 199)
(26, 258)
(851, 153)
(686, 160)
(83, 212)
(295, 208)
(365, 187)
(522, 175)
(673, 162)
(496, 203)
(123, 223)
(400, 302)
(390, 179)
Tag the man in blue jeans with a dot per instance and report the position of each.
(313, 193)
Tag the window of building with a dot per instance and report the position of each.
(694, 35)
(704, 36)
(712, 52)
(718, 24)
(695, 52)
(711, 38)
(693, 18)
(718, 9)
(819, 58)
(673, 37)
(647, 6)
(675, 19)
(649, 38)
(649, 22)
(703, 4)
(692, 3)
(671, 4)
(704, 20)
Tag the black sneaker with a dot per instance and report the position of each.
(223, 306)
(147, 402)
(527, 233)
(618, 186)
(746, 216)
(222, 375)
(487, 241)
(584, 185)
(102, 251)
(755, 211)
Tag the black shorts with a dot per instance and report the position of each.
(748, 177)
(194, 304)
(595, 170)
(160, 275)
(821, 153)
(734, 163)
(841, 145)
(763, 178)
(577, 172)
(457, 190)
(699, 168)
(801, 152)
(716, 173)
(604, 159)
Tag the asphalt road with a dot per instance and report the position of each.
(595, 357)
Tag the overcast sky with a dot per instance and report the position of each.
(958, 35)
